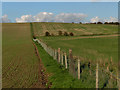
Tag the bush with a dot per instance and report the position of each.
(80, 22)
(47, 34)
(71, 34)
(59, 33)
(66, 34)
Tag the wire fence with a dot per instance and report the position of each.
(101, 74)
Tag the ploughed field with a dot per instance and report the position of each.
(19, 64)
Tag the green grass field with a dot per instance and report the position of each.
(89, 48)
(77, 29)
(19, 64)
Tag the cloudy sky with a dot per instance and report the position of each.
(60, 11)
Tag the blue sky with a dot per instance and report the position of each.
(101, 9)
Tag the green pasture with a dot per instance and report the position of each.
(89, 48)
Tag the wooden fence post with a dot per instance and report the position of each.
(59, 55)
(65, 60)
(55, 54)
(70, 60)
(118, 80)
(62, 58)
(78, 68)
(97, 76)
(71, 64)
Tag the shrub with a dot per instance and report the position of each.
(80, 22)
(59, 33)
(71, 34)
(66, 34)
(47, 34)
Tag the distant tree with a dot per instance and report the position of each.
(66, 34)
(59, 33)
(99, 23)
(111, 23)
(71, 34)
(106, 23)
(80, 22)
(47, 34)
(116, 23)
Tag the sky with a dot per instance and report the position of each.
(59, 11)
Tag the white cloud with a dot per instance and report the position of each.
(70, 17)
(111, 19)
(44, 17)
(25, 18)
(50, 17)
(95, 19)
(5, 19)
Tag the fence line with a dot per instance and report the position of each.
(76, 65)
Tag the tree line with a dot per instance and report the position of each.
(60, 33)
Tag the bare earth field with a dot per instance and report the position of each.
(20, 65)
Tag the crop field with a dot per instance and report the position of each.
(77, 29)
(20, 65)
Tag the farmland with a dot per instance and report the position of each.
(89, 48)
(103, 47)
(101, 44)
(20, 65)
(77, 29)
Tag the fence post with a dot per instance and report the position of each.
(78, 68)
(62, 58)
(65, 60)
(59, 55)
(97, 76)
(118, 81)
(71, 64)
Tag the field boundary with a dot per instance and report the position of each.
(73, 63)
(82, 37)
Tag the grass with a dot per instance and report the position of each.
(89, 48)
(19, 63)
(60, 77)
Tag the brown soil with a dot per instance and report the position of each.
(42, 75)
